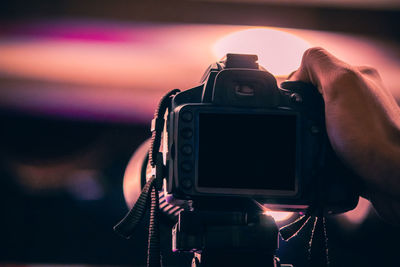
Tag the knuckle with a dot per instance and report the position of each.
(316, 52)
(318, 58)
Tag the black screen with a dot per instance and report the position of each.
(247, 151)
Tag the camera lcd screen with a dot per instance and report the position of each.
(247, 151)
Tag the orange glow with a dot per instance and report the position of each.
(118, 72)
(278, 51)
(279, 215)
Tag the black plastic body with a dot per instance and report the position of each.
(226, 238)
(322, 181)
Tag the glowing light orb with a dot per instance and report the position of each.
(279, 215)
(278, 51)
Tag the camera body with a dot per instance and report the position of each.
(240, 136)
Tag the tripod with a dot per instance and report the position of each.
(227, 238)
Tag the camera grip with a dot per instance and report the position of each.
(336, 189)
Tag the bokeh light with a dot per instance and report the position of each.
(278, 51)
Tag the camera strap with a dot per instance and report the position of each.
(149, 198)
(318, 254)
(292, 229)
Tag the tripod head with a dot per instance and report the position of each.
(226, 238)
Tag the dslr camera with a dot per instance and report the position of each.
(240, 136)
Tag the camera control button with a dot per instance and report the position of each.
(315, 129)
(187, 116)
(186, 166)
(297, 98)
(187, 149)
(187, 133)
(186, 183)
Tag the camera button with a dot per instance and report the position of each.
(186, 183)
(187, 149)
(315, 129)
(296, 98)
(187, 116)
(187, 133)
(186, 166)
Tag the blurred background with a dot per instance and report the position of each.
(79, 81)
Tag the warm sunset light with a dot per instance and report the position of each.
(279, 215)
(278, 51)
(118, 71)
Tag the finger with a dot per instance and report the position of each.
(290, 76)
(319, 67)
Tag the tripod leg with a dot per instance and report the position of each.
(196, 260)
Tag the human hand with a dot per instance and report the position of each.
(362, 122)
